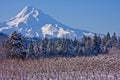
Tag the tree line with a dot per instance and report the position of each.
(18, 46)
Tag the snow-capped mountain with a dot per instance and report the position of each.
(32, 22)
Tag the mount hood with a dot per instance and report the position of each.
(32, 22)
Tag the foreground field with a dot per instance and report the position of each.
(102, 67)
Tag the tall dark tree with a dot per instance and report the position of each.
(83, 41)
(88, 46)
(96, 48)
(31, 49)
(108, 37)
(114, 39)
(16, 45)
(36, 49)
(50, 47)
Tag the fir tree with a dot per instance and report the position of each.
(31, 49)
(16, 45)
(114, 39)
(96, 45)
(108, 37)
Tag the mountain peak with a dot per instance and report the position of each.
(32, 22)
(27, 10)
(24, 16)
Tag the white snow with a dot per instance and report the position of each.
(20, 29)
(23, 16)
(37, 34)
(56, 31)
(23, 12)
(29, 35)
(28, 30)
(62, 32)
(56, 25)
(36, 14)
(48, 29)
(88, 34)
(3, 28)
(17, 20)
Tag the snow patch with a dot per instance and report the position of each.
(48, 29)
(3, 28)
(20, 30)
(29, 35)
(88, 34)
(15, 22)
(25, 11)
(36, 14)
(62, 32)
(28, 30)
(37, 34)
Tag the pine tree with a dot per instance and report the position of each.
(114, 39)
(31, 49)
(83, 41)
(106, 43)
(50, 47)
(106, 39)
(43, 47)
(88, 46)
(36, 50)
(16, 45)
(96, 45)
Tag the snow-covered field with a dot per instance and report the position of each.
(102, 67)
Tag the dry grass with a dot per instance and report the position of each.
(102, 67)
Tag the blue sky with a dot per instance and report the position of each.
(100, 16)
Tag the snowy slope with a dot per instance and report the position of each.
(32, 22)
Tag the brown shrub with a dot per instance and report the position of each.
(102, 67)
